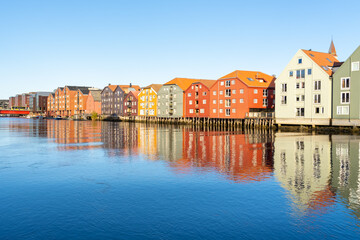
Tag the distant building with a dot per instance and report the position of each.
(346, 99)
(38, 101)
(171, 97)
(112, 99)
(4, 104)
(148, 100)
(241, 92)
(93, 103)
(304, 88)
(197, 99)
(11, 102)
(131, 104)
(18, 100)
(51, 110)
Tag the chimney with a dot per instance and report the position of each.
(130, 85)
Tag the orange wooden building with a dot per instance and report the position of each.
(240, 92)
(93, 103)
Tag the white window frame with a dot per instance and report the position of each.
(342, 98)
(341, 83)
(355, 66)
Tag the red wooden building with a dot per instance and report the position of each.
(131, 103)
(197, 99)
(241, 92)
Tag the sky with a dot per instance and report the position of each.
(47, 44)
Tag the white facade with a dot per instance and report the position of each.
(303, 93)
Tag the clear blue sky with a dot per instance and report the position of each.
(46, 44)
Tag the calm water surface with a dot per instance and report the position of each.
(101, 180)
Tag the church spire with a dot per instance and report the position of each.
(332, 50)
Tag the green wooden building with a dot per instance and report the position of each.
(346, 92)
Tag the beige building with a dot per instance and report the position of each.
(303, 89)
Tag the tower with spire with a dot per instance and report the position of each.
(332, 49)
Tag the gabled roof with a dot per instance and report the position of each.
(135, 93)
(128, 88)
(207, 83)
(252, 78)
(183, 83)
(324, 60)
(156, 87)
(96, 94)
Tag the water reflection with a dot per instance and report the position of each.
(315, 170)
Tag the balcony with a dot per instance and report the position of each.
(196, 105)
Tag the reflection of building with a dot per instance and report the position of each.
(75, 135)
(147, 137)
(240, 157)
(170, 143)
(120, 138)
(346, 170)
(302, 164)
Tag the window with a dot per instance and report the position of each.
(233, 110)
(241, 91)
(234, 100)
(214, 110)
(221, 83)
(189, 94)
(300, 73)
(227, 83)
(265, 102)
(221, 92)
(265, 93)
(303, 85)
(191, 110)
(309, 71)
(214, 101)
(291, 73)
(220, 101)
(283, 100)
(343, 110)
(204, 101)
(234, 91)
(214, 93)
(241, 100)
(355, 66)
(297, 85)
(227, 93)
(317, 85)
(255, 91)
(204, 93)
(284, 87)
(345, 83)
(232, 82)
(190, 102)
(317, 98)
(299, 60)
(345, 97)
(227, 112)
(202, 110)
(227, 103)
(302, 98)
(300, 112)
(220, 110)
(319, 110)
(255, 100)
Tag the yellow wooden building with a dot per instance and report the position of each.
(147, 101)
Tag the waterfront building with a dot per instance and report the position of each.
(70, 100)
(302, 165)
(93, 103)
(11, 102)
(18, 100)
(346, 99)
(303, 89)
(171, 97)
(38, 101)
(112, 99)
(130, 107)
(197, 99)
(25, 100)
(51, 111)
(240, 93)
(148, 100)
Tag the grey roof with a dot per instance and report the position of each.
(96, 95)
(84, 90)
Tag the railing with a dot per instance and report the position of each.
(260, 115)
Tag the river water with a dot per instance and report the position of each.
(104, 180)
